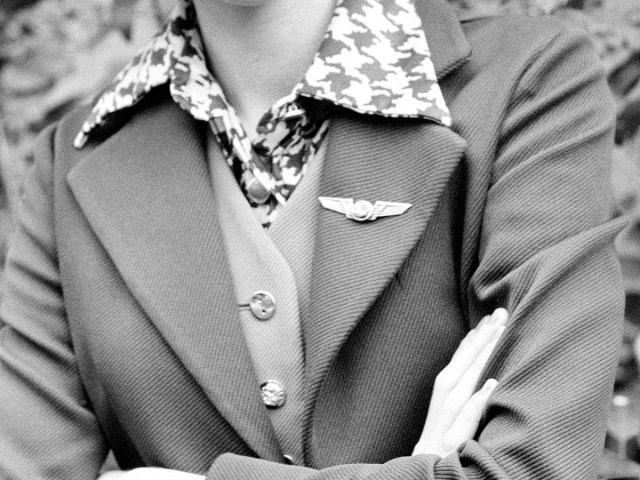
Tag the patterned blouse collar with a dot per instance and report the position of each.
(374, 59)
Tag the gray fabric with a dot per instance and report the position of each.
(121, 321)
(275, 345)
(294, 232)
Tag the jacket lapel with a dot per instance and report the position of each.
(149, 200)
(398, 161)
(392, 160)
(151, 205)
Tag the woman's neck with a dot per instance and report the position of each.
(260, 52)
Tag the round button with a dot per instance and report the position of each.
(257, 192)
(273, 394)
(361, 210)
(262, 305)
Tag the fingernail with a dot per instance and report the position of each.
(498, 317)
(489, 386)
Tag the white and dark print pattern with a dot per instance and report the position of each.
(374, 59)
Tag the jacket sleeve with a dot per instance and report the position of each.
(546, 255)
(47, 429)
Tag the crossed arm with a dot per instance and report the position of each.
(455, 409)
(546, 256)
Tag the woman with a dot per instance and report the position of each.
(223, 292)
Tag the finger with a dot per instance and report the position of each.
(473, 344)
(464, 427)
(466, 424)
(469, 381)
(471, 347)
(459, 395)
(113, 475)
(443, 407)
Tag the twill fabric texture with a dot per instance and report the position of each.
(120, 319)
(263, 260)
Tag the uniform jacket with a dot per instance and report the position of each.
(121, 324)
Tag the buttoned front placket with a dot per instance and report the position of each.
(374, 60)
(267, 272)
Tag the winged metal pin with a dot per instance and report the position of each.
(362, 210)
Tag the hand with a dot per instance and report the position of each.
(149, 473)
(455, 411)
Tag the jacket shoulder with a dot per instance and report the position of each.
(516, 38)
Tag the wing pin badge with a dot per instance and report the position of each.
(362, 210)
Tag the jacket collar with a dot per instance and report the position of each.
(444, 33)
(374, 59)
(148, 198)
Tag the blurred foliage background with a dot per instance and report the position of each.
(55, 54)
